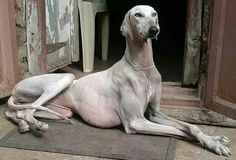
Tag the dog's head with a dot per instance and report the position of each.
(141, 21)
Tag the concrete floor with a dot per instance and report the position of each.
(185, 150)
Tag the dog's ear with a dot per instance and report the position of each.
(126, 28)
(158, 26)
(156, 22)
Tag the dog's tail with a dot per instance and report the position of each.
(14, 106)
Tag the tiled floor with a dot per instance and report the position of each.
(185, 150)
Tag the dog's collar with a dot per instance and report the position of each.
(137, 67)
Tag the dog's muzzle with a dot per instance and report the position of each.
(153, 32)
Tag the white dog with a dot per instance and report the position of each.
(118, 95)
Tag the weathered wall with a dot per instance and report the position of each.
(64, 12)
(21, 37)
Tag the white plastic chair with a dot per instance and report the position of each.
(88, 10)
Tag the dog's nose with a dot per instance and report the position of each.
(153, 30)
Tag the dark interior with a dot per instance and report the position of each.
(168, 51)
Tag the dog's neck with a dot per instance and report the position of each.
(139, 52)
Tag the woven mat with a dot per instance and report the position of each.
(82, 139)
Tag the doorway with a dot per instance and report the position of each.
(168, 50)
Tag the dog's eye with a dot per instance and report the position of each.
(138, 15)
(154, 14)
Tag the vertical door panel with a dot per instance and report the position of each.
(227, 79)
(9, 71)
(36, 36)
(193, 43)
(58, 30)
(221, 81)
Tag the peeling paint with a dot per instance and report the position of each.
(61, 18)
(56, 16)
(36, 41)
(65, 19)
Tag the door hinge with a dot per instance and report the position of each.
(55, 46)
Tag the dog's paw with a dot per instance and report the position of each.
(23, 126)
(218, 144)
(41, 126)
(222, 139)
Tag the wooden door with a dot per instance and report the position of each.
(221, 80)
(52, 34)
(62, 29)
(9, 71)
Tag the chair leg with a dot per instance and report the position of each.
(105, 36)
(88, 36)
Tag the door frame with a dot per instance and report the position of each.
(36, 36)
(212, 101)
(9, 67)
(193, 39)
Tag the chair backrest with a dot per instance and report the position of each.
(95, 1)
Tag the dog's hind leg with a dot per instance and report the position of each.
(30, 94)
(43, 88)
(28, 116)
(24, 119)
(67, 112)
(23, 125)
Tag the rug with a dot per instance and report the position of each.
(82, 139)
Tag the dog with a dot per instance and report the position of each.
(118, 95)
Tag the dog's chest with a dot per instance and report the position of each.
(150, 91)
(153, 83)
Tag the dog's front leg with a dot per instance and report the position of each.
(217, 144)
(132, 117)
